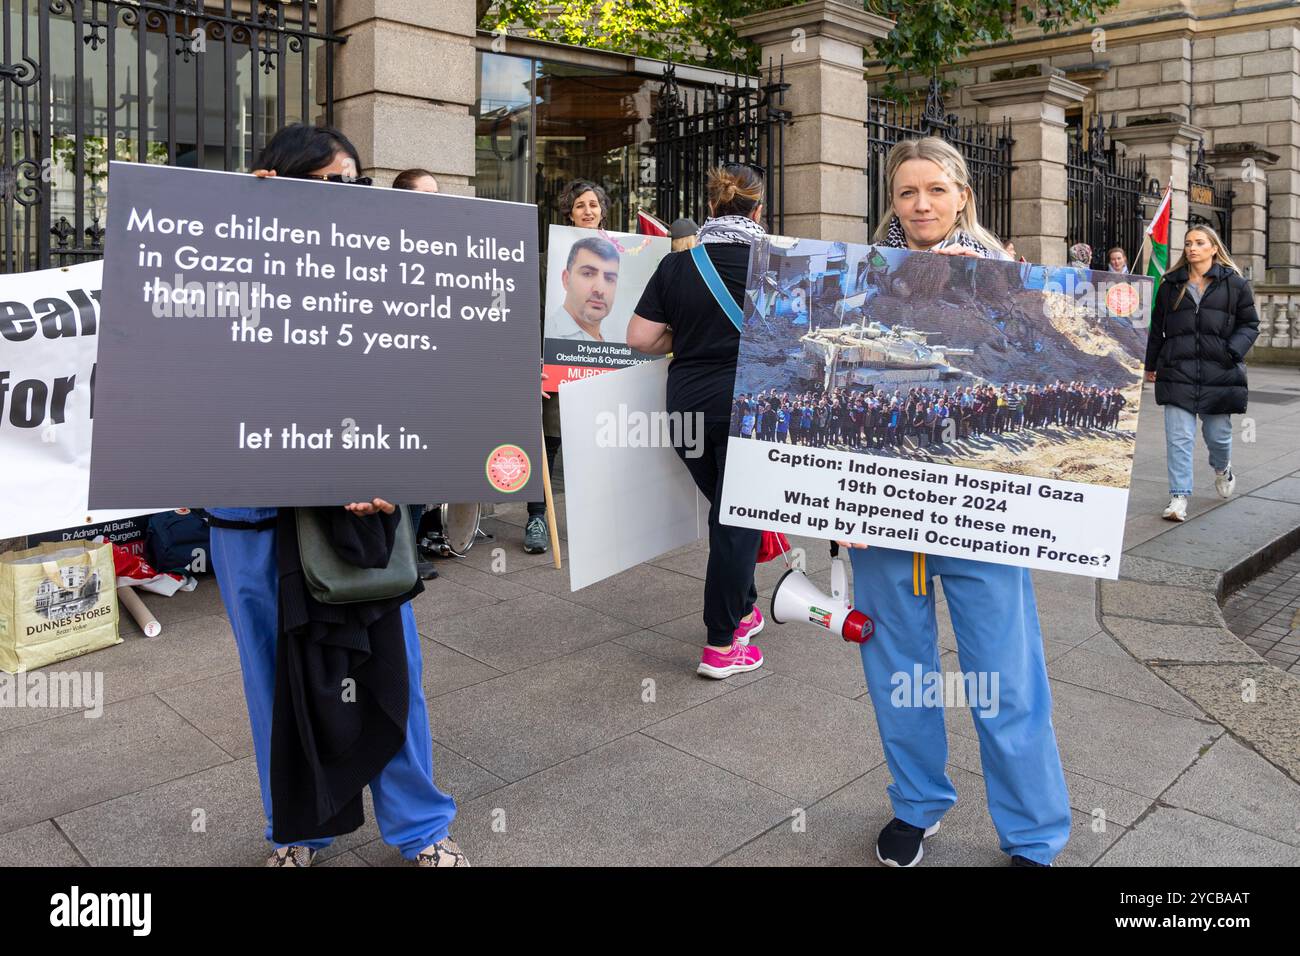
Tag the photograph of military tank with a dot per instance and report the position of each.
(857, 355)
(982, 363)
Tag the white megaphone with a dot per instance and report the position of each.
(798, 599)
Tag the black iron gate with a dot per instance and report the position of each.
(740, 123)
(181, 82)
(1209, 201)
(1108, 194)
(986, 147)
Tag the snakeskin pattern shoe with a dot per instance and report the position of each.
(291, 856)
(442, 853)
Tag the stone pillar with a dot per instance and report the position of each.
(1246, 165)
(1039, 187)
(405, 85)
(1169, 147)
(821, 45)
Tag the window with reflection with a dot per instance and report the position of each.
(543, 123)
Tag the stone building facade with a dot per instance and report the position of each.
(1173, 75)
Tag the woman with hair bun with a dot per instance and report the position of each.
(691, 307)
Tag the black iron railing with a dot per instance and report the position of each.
(697, 129)
(1110, 195)
(181, 82)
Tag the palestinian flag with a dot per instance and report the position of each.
(1157, 239)
(648, 225)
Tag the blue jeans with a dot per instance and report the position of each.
(1180, 442)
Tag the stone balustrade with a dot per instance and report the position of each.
(1279, 324)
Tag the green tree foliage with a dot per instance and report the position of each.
(694, 30)
(928, 34)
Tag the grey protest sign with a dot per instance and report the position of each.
(287, 342)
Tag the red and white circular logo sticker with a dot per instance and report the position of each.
(1122, 299)
(508, 468)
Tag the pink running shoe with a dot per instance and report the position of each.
(746, 631)
(737, 659)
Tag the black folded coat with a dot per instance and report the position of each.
(341, 685)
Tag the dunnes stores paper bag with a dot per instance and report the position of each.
(57, 600)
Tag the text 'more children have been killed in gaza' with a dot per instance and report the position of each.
(273, 231)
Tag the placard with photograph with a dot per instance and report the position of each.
(956, 405)
(594, 279)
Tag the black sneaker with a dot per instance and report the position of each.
(1025, 861)
(536, 535)
(899, 843)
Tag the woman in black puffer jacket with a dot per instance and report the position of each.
(1203, 323)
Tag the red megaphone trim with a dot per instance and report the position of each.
(858, 628)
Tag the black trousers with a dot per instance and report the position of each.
(552, 452)
(417, 512)
(729, 591)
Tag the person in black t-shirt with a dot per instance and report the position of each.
(678, 313)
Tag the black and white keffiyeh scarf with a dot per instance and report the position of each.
(730, 229)
(897, 239)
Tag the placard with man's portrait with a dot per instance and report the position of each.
(594, 279)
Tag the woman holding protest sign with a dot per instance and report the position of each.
(691, 307)
(992, 606)
(1203, 322)
(585, 205)
(292, 648)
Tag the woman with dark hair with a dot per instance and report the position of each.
(299, 151)
(417, 180)
(585, 205)
(263, 596)
(692, 308)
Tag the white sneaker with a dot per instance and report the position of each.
(1225, 481)
(1177, 510)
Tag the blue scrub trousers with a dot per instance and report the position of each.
(995, 619)
(411, 811)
